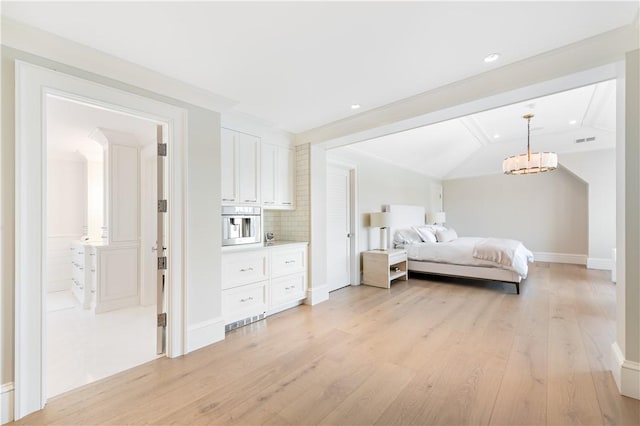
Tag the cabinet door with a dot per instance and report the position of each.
(248, 168)
(228, 165)
(285, 177)
(123, 194)
(268, 171)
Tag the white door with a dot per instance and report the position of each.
(338, 227)
(149, 208)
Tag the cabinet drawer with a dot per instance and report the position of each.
(244, 268)
(244, 301)
(288, 261)
(397, 257)
(287, 289)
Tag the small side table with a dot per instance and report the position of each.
(380, 267)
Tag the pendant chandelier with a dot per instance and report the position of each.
(529, 162)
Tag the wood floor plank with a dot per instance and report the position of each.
(426, 351)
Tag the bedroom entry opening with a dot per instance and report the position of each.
(105, 210)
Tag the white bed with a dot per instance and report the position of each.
(456, 258)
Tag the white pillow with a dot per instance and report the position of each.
(426, 233)
(446, 235)
(406, 236)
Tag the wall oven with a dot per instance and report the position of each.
(240, 225)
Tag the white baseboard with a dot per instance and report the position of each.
(576, 259)
(6, 403)
(626, 374)
(599, 263)
(205, 333)
(317, 294)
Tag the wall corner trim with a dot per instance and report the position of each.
(599, 263)
(205, 333)
(317, 294)
(625, 373)
(6, 402)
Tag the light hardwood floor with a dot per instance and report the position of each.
(427, 351)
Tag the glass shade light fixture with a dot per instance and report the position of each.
(530, 162)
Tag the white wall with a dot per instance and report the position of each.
(66, 215)
(547, 211)
(380, 183)
(598, 169)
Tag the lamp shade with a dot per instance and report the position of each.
(380, 219)
(437, 217)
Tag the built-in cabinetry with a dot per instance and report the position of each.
(240, 163)
(277, 177)
(262, 281)
(105, 277)
(106, 273)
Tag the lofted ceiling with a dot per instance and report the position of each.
(300, 65)
(476, 144)
(70, 123)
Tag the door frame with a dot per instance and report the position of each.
(354, 273)
(33, 84)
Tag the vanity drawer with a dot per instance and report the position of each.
(244, 268)
(244, 301)
(288, 289)
(288, 261)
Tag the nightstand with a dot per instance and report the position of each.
(380, 267)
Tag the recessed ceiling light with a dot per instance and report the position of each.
(572, 122)
(496, 136)
(492, 57)
(355, 106)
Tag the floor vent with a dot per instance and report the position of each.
(583, 140)
(243, 322)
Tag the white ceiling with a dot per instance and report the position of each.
(299, 65)
(69, 124)
(468, 146)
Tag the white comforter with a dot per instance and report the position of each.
(499, 253)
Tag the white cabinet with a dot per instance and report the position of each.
(245, 277)
(288, 276)
(105, 277)
(262, 282)
(122, 197)
(240, 164)
(277, 177)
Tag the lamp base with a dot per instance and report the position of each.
(383, 239)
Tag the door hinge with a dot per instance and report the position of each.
(162, 262)
(162, 149)
(162, 319)
(162, 206)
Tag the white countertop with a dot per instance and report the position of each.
(274, 244)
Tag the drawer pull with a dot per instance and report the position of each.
(246, 300)
(228, 199)
(288, 203)
(80, 252)
(250, 201)
(289, 261)
(246, 269)
(93, 270)
(92, 254)
(81, 268)
(290, 287)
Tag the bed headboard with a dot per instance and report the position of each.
(404, 216)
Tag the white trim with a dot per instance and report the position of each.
(626, 373)
(6, 403)
(284, 307)
(599, 263)
(317, 294)
(576, 259)
(33, 83)
(205, 333)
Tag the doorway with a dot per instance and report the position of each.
(341, 226)
(100, 297)
(33, 85)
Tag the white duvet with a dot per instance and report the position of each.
(499, 253)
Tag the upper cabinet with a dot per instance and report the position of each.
(277, 177)
(240, 165)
